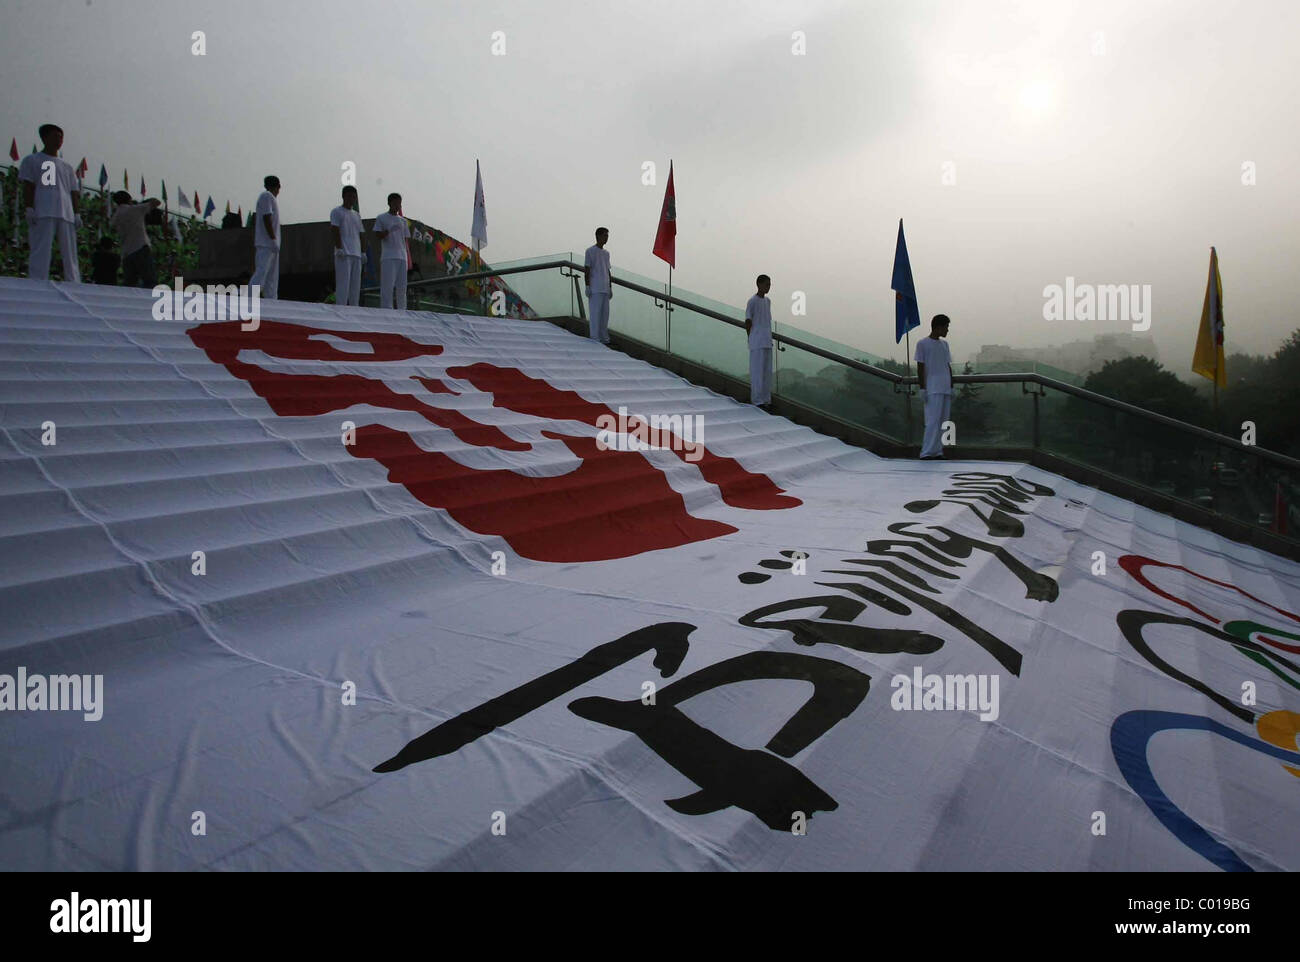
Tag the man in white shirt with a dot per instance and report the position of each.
(266, 239)
(345, 223)
(599, 289)
(758, 325)
(392, 230)
(137, 257)
(50, 194)
(934, 371)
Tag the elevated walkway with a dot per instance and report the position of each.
(371, 590)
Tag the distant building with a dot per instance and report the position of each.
(1080, 358)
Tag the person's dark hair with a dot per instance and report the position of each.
(121, 197)
(939, 320)
(349, 189)
(392, 195)
(761, 278)
(46, 129)
(270, 181)
(601, 230)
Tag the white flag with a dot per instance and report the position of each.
(180, 198)
(479, 231)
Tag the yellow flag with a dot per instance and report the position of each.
(1208, 359)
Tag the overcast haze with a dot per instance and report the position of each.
(1112, 159)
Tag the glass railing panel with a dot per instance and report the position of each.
(635, 315)
(828, 344)
(706, 341)
(528, 261)
(1132, 447)
(844, 393)
(1026, 367)
(548, 292)
(993, 415)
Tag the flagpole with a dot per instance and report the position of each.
(668, 312)
(1216, 392)
(1218, 347)
(478, 262)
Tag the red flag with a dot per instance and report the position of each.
(82, 168)
(13, 149)
(666, 238)
(196, 202)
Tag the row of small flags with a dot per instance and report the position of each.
(185, 202)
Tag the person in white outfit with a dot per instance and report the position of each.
(345, 223)
(934, 372)
(51, 195)
(266, 239)
(392, 230)
(599, 289)
(758, 325)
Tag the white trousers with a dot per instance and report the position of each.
(937, 410)
(599, 304)
(392, 283)
(760, 375)
(347, 279)
(266, 275)
(40, 237)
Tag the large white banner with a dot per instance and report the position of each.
(374, 590)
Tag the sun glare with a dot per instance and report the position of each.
(1037, 99)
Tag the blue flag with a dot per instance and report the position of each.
(906, 313)
(103, 176)
(208, 208)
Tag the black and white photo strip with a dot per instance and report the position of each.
(486, 439)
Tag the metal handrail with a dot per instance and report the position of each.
(1028, 377)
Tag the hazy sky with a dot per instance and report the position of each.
(1099, 140)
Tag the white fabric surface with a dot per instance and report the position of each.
(224, 692)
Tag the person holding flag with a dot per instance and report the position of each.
(51, 196)
(596, 270)
(129, 224)
(346, 226)
(266, 238)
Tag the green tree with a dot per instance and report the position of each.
(1145, 383)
